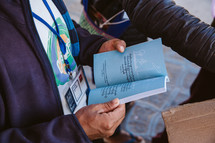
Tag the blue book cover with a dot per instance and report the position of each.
(136, 73)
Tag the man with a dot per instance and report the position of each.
(39, 43)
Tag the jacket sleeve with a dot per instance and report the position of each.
(55, 131)
(183, 32)
(89, 45)
(63, 129)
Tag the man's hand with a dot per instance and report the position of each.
(114, 44)
(101, 120)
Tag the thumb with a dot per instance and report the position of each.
(120, 45)
(109, 106)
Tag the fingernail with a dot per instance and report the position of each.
(116, 101)
(121, 48)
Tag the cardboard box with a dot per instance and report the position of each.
(191, 123)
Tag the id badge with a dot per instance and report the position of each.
(77, 93)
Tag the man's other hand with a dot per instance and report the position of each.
(101, 120)
(113, 44)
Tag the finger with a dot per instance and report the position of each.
(110, 131)
(116, 122)
(108, 106)
(116, 114)
(112, 121)
(120, 45)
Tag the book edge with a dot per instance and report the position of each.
(142, 95)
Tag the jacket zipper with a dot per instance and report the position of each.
(41, 52)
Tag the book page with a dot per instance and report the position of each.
(127, 92)
(138, 62)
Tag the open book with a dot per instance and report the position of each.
(137, 73)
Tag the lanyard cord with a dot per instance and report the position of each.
(52, 15)
(63, 49)
(56, 32)
(52, 29)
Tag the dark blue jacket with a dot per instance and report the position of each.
(30, 106)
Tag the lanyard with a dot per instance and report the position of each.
(57, 33)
